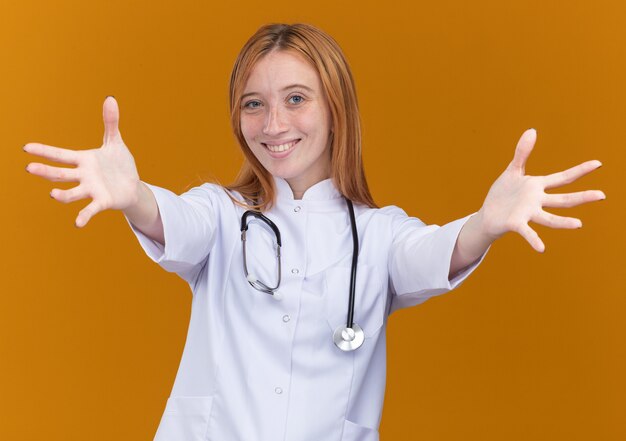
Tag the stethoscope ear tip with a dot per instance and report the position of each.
(277, 296)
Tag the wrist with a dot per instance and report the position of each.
(484, 229)
(139, 204)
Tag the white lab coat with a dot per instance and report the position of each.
(258, 369)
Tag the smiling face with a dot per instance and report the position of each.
(285, 120)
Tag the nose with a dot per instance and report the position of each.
(274, 122)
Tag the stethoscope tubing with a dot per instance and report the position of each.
(257, 284)
(257, 214)
(355, 258)
(346, 338)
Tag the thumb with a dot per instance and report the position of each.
(522, 151)
(111, 117)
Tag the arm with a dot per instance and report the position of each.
(145, 215)
(515, 199)
(107, 175)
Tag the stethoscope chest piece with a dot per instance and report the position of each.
(348, 339)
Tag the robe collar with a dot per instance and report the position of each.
(322, 191)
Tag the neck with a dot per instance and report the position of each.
(298, 188)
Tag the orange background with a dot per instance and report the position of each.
(530, 348)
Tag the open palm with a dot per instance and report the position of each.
(107, 175)
(515, 199)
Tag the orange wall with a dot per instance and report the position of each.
(530, 348)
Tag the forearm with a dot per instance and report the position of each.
(471, 243)
(144, 214)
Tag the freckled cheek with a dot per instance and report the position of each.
(250, 128)
(314, 120)
(305, 124)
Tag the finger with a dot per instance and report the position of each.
(568, 200)
(522, 150)
(554, 221)
(56, 174)
(111, 117)
(71, 195)
(532, 238)
(571, 174)
(86, 214)
(56, 154)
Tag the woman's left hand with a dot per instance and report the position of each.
(515, 198)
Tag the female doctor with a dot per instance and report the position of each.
(293, 268)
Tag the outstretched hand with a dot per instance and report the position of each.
(515, 198)
(107, 175)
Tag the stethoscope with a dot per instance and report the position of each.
(347, 338)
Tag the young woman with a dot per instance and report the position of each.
(293, 268)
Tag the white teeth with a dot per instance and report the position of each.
(281, 147)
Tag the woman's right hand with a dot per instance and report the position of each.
(107, 175)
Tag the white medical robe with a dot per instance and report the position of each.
(258, 369)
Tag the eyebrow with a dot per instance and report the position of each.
(291, 86)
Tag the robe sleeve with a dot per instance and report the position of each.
(419, 260)
(189, 224)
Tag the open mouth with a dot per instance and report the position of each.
(280, 148)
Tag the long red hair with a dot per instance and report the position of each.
(254, 182)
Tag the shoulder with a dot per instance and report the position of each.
(214, 201)
(392, 221)
(391, 214)
(213, 192)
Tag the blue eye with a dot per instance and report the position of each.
(296, 99)
(254, 104)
